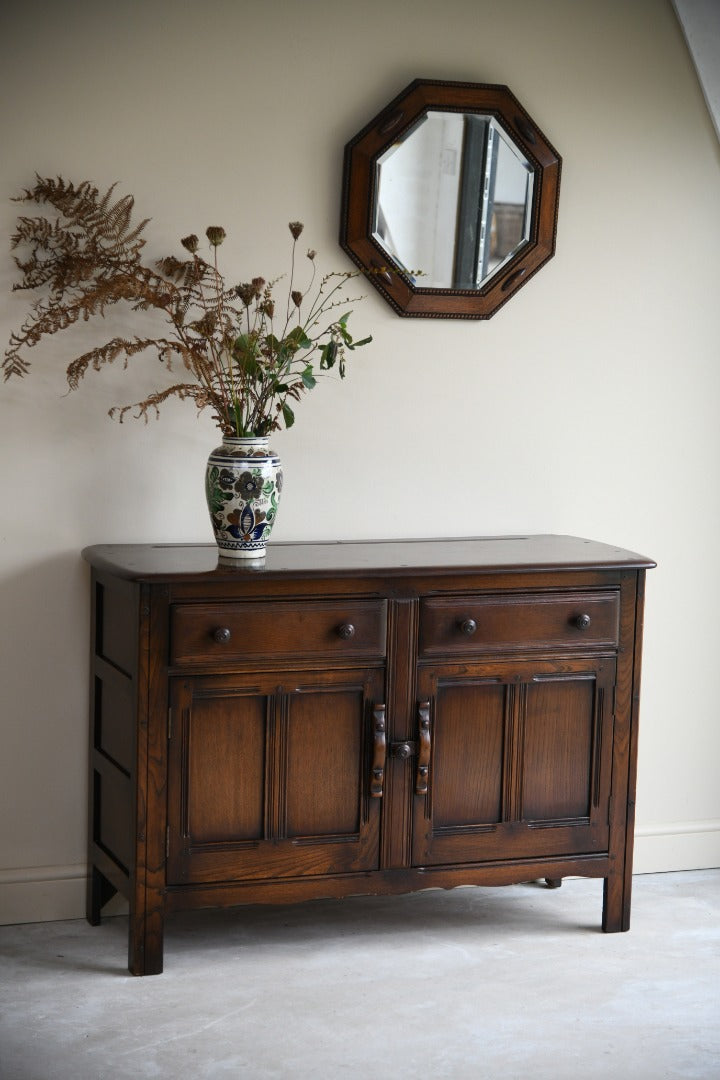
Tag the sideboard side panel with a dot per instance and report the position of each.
(111, 772)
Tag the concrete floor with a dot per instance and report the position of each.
(485, 984)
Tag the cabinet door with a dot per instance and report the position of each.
(269, 776)
(519, 761)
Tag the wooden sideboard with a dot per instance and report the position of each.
(353, 718)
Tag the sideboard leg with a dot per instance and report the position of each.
(616, 904)
(93, 901)
(99, 891)
(145, 943)
(146, 932)
(553, 882)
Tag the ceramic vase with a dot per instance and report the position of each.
(243, 482)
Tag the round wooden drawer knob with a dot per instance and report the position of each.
(346, 630)
(222, 635)
(402, 751)
(468, 627)
(583, 622)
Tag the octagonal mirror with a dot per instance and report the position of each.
(450, 199)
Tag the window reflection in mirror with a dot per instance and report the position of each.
(454, 200)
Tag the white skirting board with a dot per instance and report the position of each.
(42, 894)
(687, 845)
(48, 893)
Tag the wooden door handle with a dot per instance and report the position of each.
(423, 764)
(377, 771)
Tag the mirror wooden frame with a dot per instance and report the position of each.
(359, 196)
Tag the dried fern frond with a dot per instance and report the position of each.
(58, 313)
(118, 346)
(183, 391)
(90, 237)
(58, 245)
(83, 206)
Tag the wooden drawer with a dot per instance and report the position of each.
(456, 625)
(334, 629)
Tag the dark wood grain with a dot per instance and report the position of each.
(402, 558)
(247, 767)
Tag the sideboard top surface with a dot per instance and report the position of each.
(170, 562)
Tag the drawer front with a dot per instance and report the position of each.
(451, 626)
(215, 633)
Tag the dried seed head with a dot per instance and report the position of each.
(268, 307)
(246, 292)
(258, 284)
(297, 297)
(190, 243)
(311, 254)
(215, 234)
(296, 227)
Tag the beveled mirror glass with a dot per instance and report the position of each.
(450, 199)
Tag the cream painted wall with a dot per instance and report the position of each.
(588, 405)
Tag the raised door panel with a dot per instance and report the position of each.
(270, 778)
(468, 754)
(520, 762)
(225, 737)
(559, 766)
(324, 759)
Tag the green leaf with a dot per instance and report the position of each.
(308, 378)
(237, 413)
(297, 339)
(328, 355)
(245, 344)
(245, 354)
(288, 416)
(357, 344)
(248, 365)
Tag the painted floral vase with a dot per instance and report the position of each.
(243, 482)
